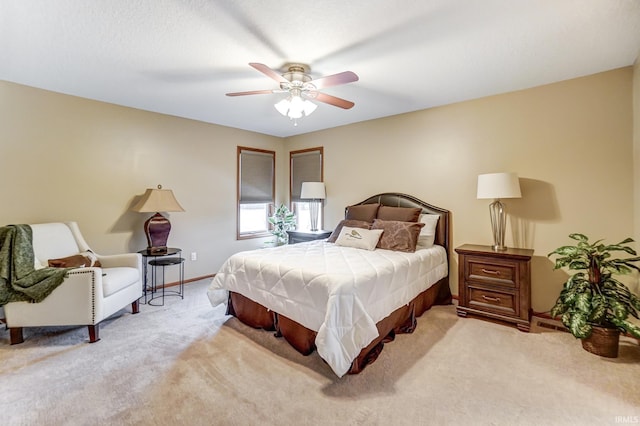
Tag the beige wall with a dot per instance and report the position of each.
(570, 143)
(65, 158)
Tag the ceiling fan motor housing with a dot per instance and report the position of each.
(296, 74)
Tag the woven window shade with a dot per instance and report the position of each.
(256, 177)
(305, 167)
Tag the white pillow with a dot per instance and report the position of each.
(359, 238)
(428, 232)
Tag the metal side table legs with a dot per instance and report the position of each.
(164, 262)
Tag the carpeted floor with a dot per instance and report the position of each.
(183, 364)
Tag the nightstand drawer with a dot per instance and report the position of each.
(500, 273)
(491, 300)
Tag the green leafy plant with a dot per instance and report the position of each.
(592, 296)
(282, 221)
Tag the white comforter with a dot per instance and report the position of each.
(340, 292)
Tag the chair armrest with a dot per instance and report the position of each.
(76, 301)
(133, 260)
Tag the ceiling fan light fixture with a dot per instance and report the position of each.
(300, 87)
(295, 107)
(282, 106)
(309, 107)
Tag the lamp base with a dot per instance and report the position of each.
(157, 229)
(498, 224)
(314, 206)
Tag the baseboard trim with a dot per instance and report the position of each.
(190, 280)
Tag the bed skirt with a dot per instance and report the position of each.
(402, 320)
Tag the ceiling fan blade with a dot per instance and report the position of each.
(332, 100)
(335, 79)
(253, 92)
(269, 72)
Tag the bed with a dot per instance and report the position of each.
(343, 302)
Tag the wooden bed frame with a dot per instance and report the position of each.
(402, 320)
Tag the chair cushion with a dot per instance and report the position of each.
(115, 279)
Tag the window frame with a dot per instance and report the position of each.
(270, 203)
(293, 203)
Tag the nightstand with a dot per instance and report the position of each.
(495, 284)
(302, 236)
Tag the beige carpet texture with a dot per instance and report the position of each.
(186, 363)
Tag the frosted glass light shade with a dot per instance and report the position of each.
(295, 107)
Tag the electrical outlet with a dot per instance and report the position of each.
(194, 255)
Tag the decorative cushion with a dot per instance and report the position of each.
(365, 212)
(397, 235)
(81, 260)
(401, 214)
(359, 238)
(428, 233)
(352, 223)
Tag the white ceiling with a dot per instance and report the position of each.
(180, 57)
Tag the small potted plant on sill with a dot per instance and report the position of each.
(594, 305)
(282, 221)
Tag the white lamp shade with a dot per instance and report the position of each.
(157, 200)
(498, 185)
(312, 191)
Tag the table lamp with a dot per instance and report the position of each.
(157, 227)
(497, 186)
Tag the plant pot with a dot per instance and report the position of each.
(602, 342)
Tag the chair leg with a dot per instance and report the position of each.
(93, 333)
(135, 306)
(15, 335)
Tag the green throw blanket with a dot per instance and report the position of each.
(19, 280)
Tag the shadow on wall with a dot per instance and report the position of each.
(547, 283)
(133, 223)
(538, 204)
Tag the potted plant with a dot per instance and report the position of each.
(593, 304)
(282, 221)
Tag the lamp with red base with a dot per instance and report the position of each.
(157, 227)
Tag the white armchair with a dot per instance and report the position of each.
(87, 295)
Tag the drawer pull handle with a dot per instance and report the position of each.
(489, 271)
(491, 299)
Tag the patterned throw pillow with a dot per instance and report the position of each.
(347, 222)
(398, 236)
(358, 238)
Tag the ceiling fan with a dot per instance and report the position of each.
(297, 82)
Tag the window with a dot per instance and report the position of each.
(256, 190)
(305, 166)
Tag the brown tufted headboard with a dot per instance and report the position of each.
(393, 199)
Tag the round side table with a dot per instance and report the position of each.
(164, 262)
